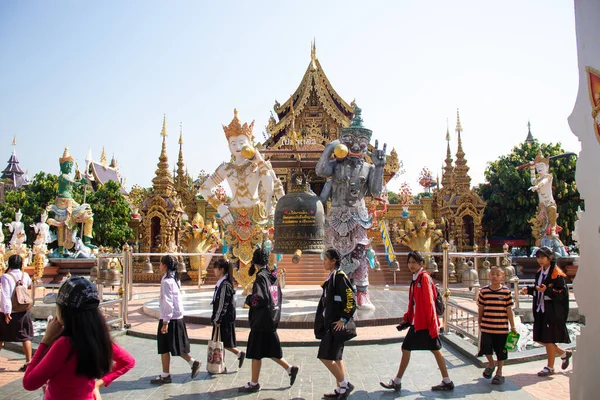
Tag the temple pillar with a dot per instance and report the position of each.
(584, 380)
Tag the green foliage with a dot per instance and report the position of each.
(511, 205)
(32, 201)
(137, 195)
(111, 215)
(110, 208)
(393, 198)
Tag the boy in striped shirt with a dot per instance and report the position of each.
(495, 312)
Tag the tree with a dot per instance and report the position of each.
(511, 205)
(111, 215)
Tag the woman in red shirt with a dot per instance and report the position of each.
(75, 357)
(423, 324)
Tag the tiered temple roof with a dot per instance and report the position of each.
(462, 180)
(162, 184)
(13, 171)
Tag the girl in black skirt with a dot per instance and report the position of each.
(172, 334)
(336, 308)
(223, 315)
(15, 326)
(550, 309)
(423, 324)
(265, 311)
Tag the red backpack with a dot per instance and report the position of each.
(21, 300)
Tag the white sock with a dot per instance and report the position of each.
(164, 374)
(289, 369)
(253, 383)
(564, 355)
(191, 362)
(343, 384)
(397, 380)
(446, 379)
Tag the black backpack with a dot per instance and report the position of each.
(440, 307)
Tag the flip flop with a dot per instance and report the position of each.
(488, 372)
(498, 380)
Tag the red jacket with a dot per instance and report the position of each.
(424, 305)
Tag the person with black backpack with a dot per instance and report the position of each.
(16, 326)
(423, 323)
(264, 315)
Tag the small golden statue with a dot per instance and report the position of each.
(200, 238)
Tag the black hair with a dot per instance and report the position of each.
(334, 255)
(226, 266)
(15, 262)
(417, 256)
(545, 251)
(90, 340)
(260, 258)
(171, 263)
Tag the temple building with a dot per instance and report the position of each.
(162, 211)
(312, 117)
(103, 172)
(13, 173)
(457, 202)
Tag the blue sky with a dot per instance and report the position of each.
(94, 74)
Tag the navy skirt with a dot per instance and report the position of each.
(19, 329)
(176, 340)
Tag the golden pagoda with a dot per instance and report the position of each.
(459, 204)
(161, 211)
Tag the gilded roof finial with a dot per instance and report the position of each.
(103, 157)
(447, 131)
(14, 142)
(180, 133)
(313, 55)
(113, 162)
(164, 132)
(458, 125)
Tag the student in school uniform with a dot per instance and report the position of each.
(550, 309)
(171, 336)
(223, 315)
(264, 315)
(495, 313)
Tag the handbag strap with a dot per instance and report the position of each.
(217, 334)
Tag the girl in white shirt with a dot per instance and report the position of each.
(15, 326)
(172, 334)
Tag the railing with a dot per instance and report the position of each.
(462, 320)
(527, 282)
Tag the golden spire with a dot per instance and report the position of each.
(113, 162)
(461, 171)
(14, 142)
(162, 184)
(180, 181)
(313, 54)
(448, 174)
(235, 128)
(103, 157)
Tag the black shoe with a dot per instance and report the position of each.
(443, 387)
(566, 360)
(249, 388)
(159, 380)
(293, 375)
(392, 385)
(332, 395)
(24, 367)
(241, 359)
(344, 395)
(195, 368)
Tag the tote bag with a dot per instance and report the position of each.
(215, 363)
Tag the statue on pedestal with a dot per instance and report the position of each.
(67, 212)
(352, 178)
(40, 248)
(17, 244)
(544, 226)
(199, 237)
(248, 217)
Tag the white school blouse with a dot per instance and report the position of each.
(171, 302)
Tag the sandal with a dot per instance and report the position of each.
(487, 373)
(498, 380)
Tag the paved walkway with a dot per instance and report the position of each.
(378, 362)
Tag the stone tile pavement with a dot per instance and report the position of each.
(366, 366)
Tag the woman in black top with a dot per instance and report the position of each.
(264, 314)
(336, 308)
(223, 314)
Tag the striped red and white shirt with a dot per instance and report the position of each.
(495, 304)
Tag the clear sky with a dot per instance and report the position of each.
(93, 74)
